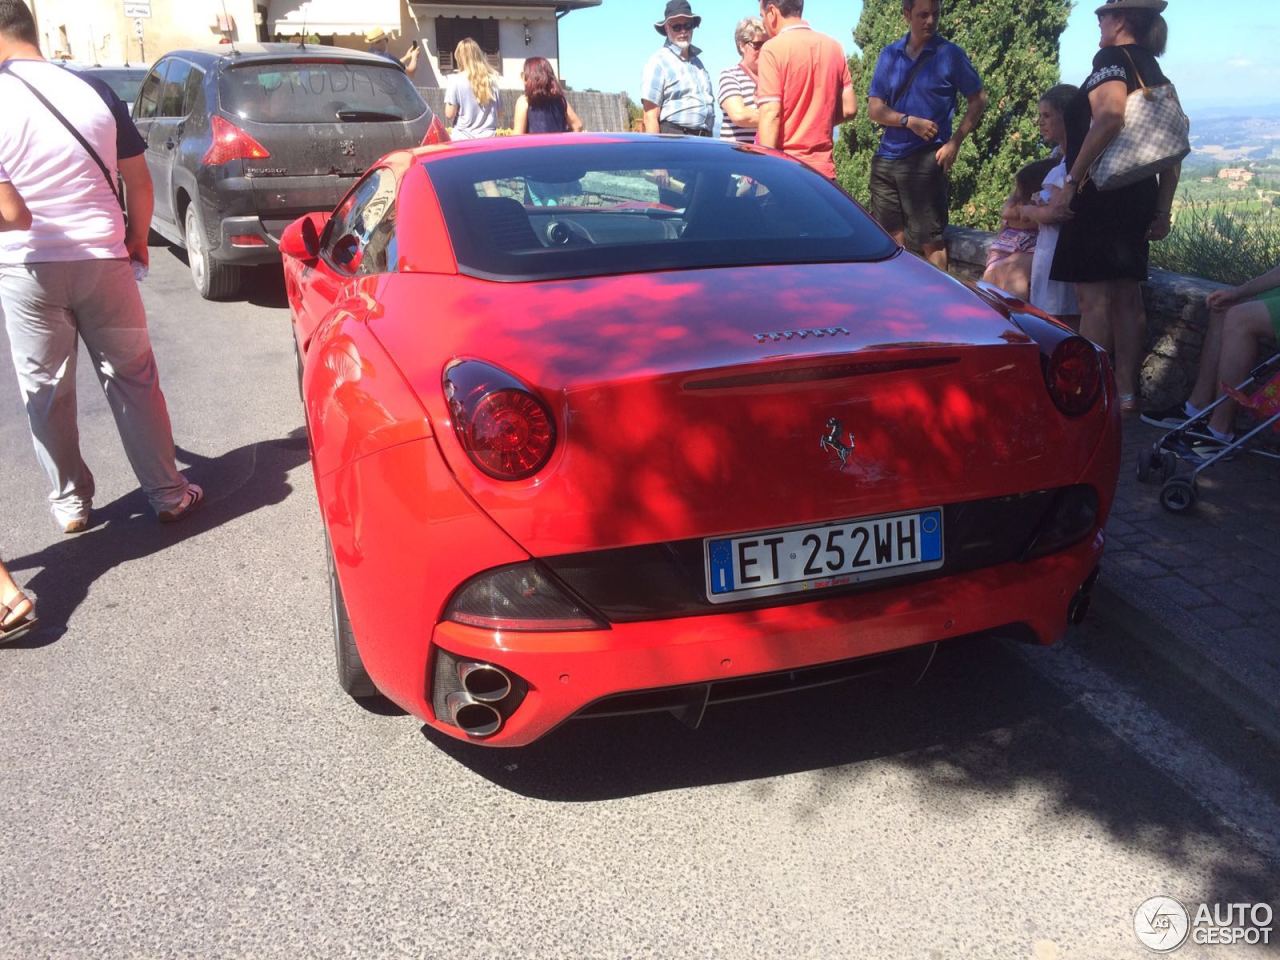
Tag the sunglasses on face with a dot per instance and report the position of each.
(682, 26)
(755, 44)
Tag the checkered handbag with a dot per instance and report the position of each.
(1156, 135)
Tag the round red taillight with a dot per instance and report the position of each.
(510, 435)
(1074, 376)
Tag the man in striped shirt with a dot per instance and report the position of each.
(738, 84)
(676, 91)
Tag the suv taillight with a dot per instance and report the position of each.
(505, 429)
(436, 133)
(232, 143)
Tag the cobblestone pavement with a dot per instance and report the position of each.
(1201, 587)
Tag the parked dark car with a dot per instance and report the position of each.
(123, 79)
(242, 142)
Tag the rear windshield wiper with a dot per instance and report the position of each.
(356, 115)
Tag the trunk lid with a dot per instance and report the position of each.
(695, 404)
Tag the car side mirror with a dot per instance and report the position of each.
(301, 239)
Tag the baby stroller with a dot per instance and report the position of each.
(1178, 492)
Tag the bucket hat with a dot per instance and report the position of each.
(1115, 6)
(676, 8)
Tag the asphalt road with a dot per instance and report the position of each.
(181, 777)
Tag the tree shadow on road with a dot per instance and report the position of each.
(236, 483)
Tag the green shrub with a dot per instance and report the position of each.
(1220, 241)
(1014, 47)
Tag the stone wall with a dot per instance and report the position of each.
(1176, 319)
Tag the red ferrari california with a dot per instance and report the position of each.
(605, 424)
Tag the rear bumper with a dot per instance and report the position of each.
(262, 207)
(232, 246)
(567, 673)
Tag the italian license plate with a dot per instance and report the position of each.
(827, 555)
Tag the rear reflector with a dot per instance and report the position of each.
(231, 143)
(247, 240)
(519, 597)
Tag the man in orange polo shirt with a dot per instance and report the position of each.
(804, 89)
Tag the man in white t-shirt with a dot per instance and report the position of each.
(68, 277)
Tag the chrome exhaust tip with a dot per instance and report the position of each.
(483, 681)
(1078, 609)
(472, 717)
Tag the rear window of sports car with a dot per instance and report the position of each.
(549, 212)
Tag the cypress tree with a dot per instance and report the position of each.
(1014, 47)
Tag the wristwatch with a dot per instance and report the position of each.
(903, 121)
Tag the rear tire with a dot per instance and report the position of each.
(213, 279)
(352, 676)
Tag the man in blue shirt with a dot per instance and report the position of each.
(676, 91)
(912, 95)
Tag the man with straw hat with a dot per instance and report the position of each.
(676, 90)
(378, 39)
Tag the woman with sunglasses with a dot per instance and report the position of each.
(738, 84)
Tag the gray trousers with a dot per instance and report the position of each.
(47, 306)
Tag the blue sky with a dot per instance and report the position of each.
(1220, 51)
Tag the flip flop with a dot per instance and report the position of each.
(19, 628)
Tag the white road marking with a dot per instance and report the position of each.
(1237, 802)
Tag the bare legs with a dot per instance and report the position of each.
(1242, 333)
(1112, 315)
(1013, 274)
(936, 253)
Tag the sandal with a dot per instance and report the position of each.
(20, 624)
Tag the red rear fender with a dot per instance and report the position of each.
(356, 400)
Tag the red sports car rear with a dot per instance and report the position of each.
(604, 425)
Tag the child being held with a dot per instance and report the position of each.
(1009, 259)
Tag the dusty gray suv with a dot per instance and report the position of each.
(242, 142)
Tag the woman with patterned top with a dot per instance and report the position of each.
(543, 108)
(1104, 245)
(739, 117)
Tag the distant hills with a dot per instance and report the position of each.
(1250, 133)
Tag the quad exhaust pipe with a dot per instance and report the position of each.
(474, 708)
(473, 717)
(484, 681)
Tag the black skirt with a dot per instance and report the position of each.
(1107, 239)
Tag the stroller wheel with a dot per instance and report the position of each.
(1178, 495)
(1168, 465)
(1147, 462)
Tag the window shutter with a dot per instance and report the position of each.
(445, 43)
(489, 43)
(451, 30)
